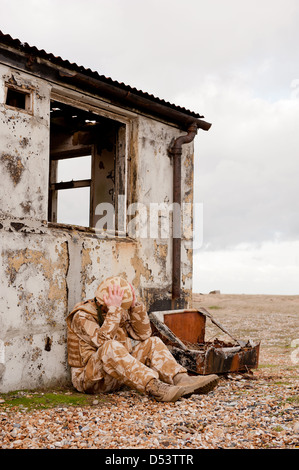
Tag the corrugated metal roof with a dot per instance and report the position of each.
(6, 39)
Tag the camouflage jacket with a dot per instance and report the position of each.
(85, 335)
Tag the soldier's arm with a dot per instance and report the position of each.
(88, 329)
(139, 327)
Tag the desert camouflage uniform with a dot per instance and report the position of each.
(103, 359)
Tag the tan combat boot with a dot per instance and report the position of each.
(164, 392)
(196, 384)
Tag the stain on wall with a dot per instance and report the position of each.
(13, 166)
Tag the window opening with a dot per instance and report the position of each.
(73, 206)
(18, 99)
(70, 169)
(73, 190)
(87, 165)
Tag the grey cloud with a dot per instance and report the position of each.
(247, 171)
(232, 61)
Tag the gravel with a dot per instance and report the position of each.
(244, 412)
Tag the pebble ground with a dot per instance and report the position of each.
(248, 412)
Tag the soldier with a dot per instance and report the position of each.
(102, 357)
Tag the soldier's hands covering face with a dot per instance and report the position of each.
(115, 297)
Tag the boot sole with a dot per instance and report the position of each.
(201, 389)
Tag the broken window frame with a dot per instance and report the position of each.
(55, 186)
(28, 95)
(120, 177)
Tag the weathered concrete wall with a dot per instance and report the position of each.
(45, 268)
(24, 149)
(33, 303)
(155, 183)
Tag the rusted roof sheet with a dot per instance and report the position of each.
(6, 39)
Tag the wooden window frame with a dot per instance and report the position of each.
(28, 94)
(54, 186)
(120, 169)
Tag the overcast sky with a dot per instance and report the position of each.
(237, 63)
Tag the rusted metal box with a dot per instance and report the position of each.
(183, 331)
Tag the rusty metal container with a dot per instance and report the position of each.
(183, 331)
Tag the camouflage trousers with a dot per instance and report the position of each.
(112, 366)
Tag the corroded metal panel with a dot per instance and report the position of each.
(189, 326)
(199, 356)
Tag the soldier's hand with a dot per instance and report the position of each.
(115, 296)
